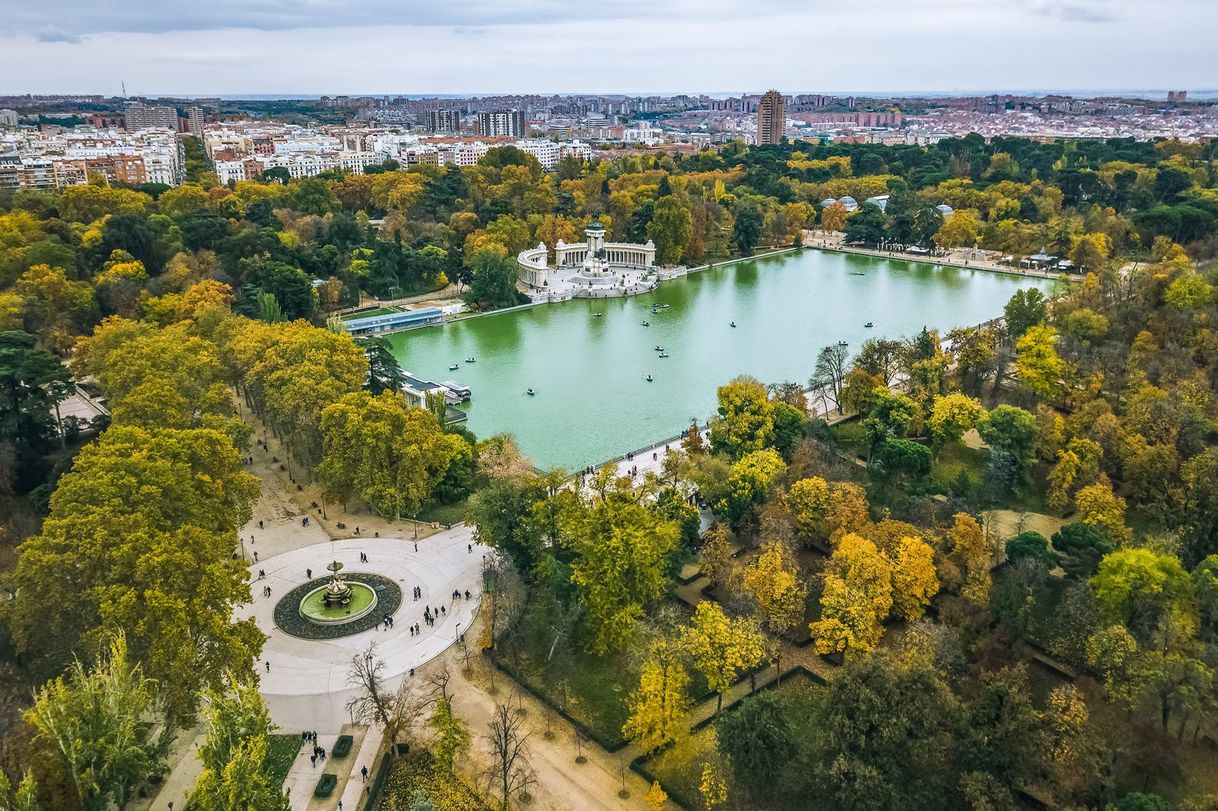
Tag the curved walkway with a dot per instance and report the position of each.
(307, 685)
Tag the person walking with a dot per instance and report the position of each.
(364, 773)
(309, 573)
(268, 666)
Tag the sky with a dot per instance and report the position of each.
(227, 47)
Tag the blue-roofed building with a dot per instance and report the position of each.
(392, 322)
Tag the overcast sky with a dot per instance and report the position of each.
(626, 46)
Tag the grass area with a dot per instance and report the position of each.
(417, 772)
(446, 514)
(369, 313)
(281, 752)
(851, 437)
(956, 459)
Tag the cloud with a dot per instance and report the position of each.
(53, 33)
(1085, 11)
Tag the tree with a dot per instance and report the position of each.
(140, 539)
(494, 275)
(952, 415)
(1100, 507)
(1025, 309)
(914, 579)
(1149, 593)
(372, 702)
(830, 372)
(384, 372)
(959, 230)
(451, 736)
(1029, 545)
(790, 427)
(722, 648)
(1081, 546)
(94, 720)
(509, 772)
(1011, 430)
(970, 557)
(749, 482)
(778, 592)
(621, 562)
(712, 787)
(834, 217)
(670, 228)
(886, 735)
(856, 597)
(745, 418)
(758, 740)
(1038, 365)
(746, 232)
(32, 384)
(657, 797)
(866, 226)
(391, 455)
(659, 706)
(236, 774)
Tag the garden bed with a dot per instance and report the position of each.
(417, 772)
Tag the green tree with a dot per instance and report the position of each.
(886, 736)
(94, 722)
(670, 229)
(621, 562)
(387, 453)
(236, 773)
(32, 384)
(1081, 546)
(140, 539)
(493, 282)
(746, 231)
(1025, 309)
(1151, 594)
(759, 741)
(384, 372)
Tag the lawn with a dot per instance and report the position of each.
(591, 689)
(369, 313)
(417, 772)
(956, 459)
(446, 514)
(281, 752)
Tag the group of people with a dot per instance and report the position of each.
(319, 752)
(386, 621)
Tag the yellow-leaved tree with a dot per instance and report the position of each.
(857, 596)
(723, 647)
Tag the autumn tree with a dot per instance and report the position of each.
(659, 706)
(952, 415)
(855, 598)
(722, 647)
(744, 420)
(968, 557)
(778, 591)
(451, 739)
(1039, 366)
(621, 555)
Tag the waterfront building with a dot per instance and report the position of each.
(590, 269)
(771, 118)
(393, 322)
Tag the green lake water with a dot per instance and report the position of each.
(593, 401)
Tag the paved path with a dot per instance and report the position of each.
(307, 684)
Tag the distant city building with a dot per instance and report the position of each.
(771, 118)
(8, 118)
(195, 121)
(508, 123)
(142, 117)
(443, 120)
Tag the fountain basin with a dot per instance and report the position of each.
(363, 601)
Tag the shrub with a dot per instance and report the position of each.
(325, 786)
(342, 747)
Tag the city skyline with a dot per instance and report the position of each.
(965, 46)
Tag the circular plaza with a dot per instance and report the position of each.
(392, 586)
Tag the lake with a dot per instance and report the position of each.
(593, 400)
